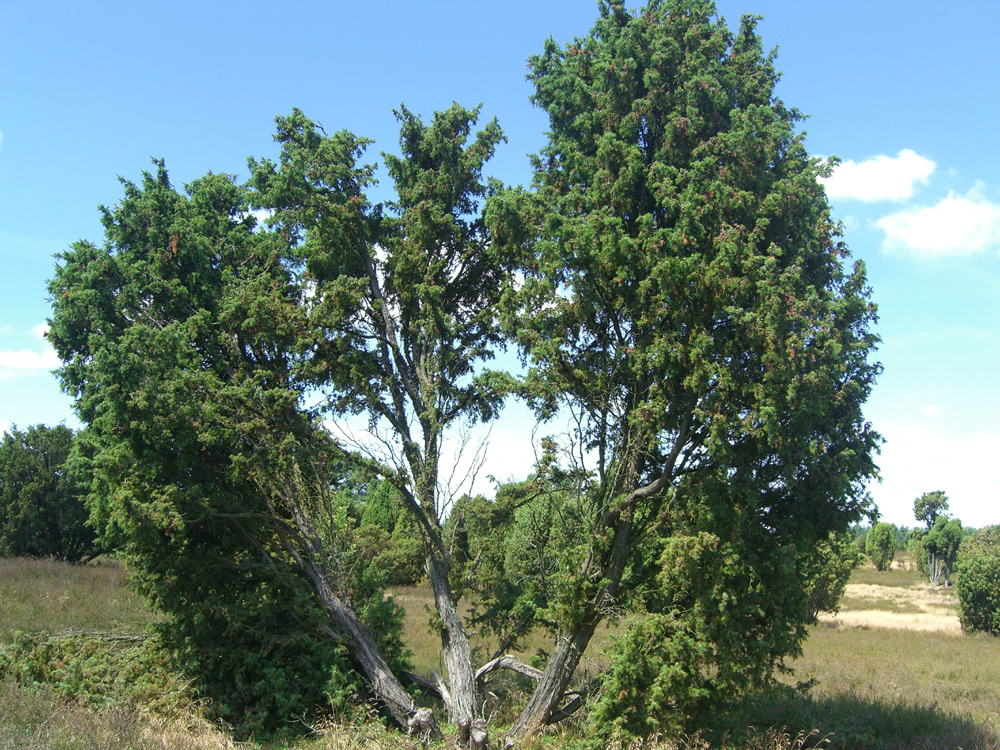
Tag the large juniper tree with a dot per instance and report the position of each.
(401, 313)
(686, 300)
(181, 345)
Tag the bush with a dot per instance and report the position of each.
(828, 572)
(979, 581)
(880, 545)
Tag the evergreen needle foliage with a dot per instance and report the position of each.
(675, 285)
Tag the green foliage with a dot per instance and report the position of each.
(179, 341)
(100, 671)
(41, 511)
(880, 545)
(979, 581)
(918, 553)
(832, 561)
(686, 297)
(929, 506)
(389, 535)
(942, 544)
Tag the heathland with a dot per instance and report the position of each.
(891, 670)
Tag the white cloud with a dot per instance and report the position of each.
(41, 330)
(15, 364)
(917, 458)
(879, 178)
(931, 410)
(956, 225)
(4, 427)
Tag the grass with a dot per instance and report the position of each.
(882, 686)
(890, 688)
(49, 596)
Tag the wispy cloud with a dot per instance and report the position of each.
(931, 410)
(41, 330)
(880, 178)
(957, 225)
(14, 364)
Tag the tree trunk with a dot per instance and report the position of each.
(366, 654)
(553, 683)
(455, 651)
(559, 671)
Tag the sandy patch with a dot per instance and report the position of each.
(936, 605)
(943, 623)
(928, 597)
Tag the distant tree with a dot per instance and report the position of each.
(942, 543)
(917, 551)
(880, 545)
(42, 513)
(833, 560)
(978, 584)
(929, 506)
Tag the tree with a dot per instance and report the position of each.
(685, 302)
(833, 561)
(42, 513)
(181, 347)
(880, 545)
(402, 314)
(941, 544)
(929, 506)
(915, 546)
(978, 584)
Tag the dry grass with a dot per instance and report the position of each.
(42, 721)
(51, 596)
(893, 670)
(919, 606)
(875, 685)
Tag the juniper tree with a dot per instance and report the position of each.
(687, 299)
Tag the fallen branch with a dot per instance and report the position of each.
(508, 662)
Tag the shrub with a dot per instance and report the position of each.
(979, 581)
(880, 545)
(828, 572)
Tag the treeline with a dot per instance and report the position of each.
(42, 511)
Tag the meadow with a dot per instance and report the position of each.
(890, 671)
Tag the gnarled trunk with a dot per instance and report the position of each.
(552, 684)
(365, 653)
(456, 653)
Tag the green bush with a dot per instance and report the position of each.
(827, 573)
(979, 581)
(880, 545)
(100, 670)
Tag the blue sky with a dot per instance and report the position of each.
(906, 93)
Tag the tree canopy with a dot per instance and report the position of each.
(42, 513)
(929, 506)
(979, 581)
(676, 288)
(686, 301)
